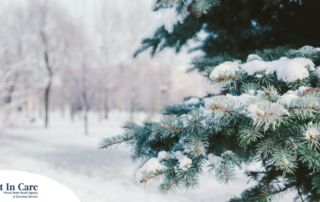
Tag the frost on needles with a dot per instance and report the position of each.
(265, 111)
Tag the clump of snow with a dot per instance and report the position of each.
(213, 159)
(287, 98)
(309, 49)
(307, 63)
(202, 35)
(293, 70)
(219, 107)
(254, 111)
(226, 69)
(255, 66)
(266, 109)
(306, 102)
(152, 164)
(251, 92)
(243, 99)
(254, 166)
(220, 103)
(163, 155)
(252, 57)
(184, 161)
(287, 70)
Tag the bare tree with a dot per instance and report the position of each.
(51, 24)
(81, 81)
(16, 61)
(51, 59)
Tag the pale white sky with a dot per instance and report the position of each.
(86, 11)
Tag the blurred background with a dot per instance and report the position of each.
(68, 79)
(75, 57)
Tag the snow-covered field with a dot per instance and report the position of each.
(65, 154)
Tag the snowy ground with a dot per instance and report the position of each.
(65, 154)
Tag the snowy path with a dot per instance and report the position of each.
(66, 155)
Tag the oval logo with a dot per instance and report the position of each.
(23, 186)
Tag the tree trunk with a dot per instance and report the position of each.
(47, 90)
(106, 111)
(46, 103)
(86, 108)
(132, 108)
(106, 105)
(86, 122)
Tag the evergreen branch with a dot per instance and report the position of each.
(270, 115)
(152, 175)
(108, 142)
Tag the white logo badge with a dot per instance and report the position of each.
(28, 187)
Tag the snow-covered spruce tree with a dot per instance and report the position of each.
(266, 110)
